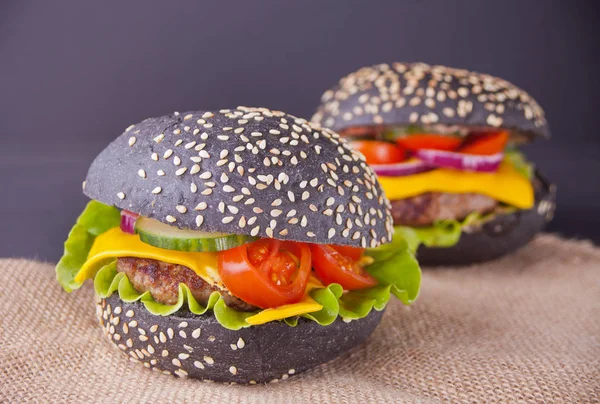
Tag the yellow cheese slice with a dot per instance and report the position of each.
(115, 243)
(505, 185)
(306, 305)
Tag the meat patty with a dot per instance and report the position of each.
(162, 281)
(425, 209)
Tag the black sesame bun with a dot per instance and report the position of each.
(420, 94)
(502, 235)
(247, 171)
(186, 345)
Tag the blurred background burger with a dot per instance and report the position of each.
(444, 144)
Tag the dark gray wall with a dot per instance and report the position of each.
(74, 74)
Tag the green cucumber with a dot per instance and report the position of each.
(168, 237)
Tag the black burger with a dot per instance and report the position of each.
(443, 142)
(241, 245)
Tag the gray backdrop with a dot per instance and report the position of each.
(74, 74)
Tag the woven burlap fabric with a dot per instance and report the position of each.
(525, 328)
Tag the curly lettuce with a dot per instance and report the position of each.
(95, 219)
(443, 233)
(520, 163)
(396, 269)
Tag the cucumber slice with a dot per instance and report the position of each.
(168, 237)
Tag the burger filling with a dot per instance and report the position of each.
(445, 179)
(243, 279)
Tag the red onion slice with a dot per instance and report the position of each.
(401, 169)
(460, 161)
(128, 221)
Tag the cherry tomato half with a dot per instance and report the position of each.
(354, 253)
(266, 273)
(333, 267)
(379, 152)
(485, 143)
(429, 141)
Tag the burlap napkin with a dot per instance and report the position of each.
(522, 328)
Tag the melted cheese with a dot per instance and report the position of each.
(306, 305)
(505, 185)
(115, 243)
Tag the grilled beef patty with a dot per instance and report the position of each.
(425, 209)
(163, 279)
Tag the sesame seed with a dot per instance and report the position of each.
(171, 219)
(199, 220)
(131, 141)
(142, 173)
(181, 208)
(157, 190)
(209, 360)
(121, 195)
(159, 138)
(168, 154)
(195, 169)
(176, 161)
(154, 156)
(181, 171)
(205, 175)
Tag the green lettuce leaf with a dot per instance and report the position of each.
(109, 281)
(443, 233)
(93, 221)
(520, 163)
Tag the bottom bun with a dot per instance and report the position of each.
(504, 234)
(187, 345)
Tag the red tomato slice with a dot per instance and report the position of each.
(354, 253)
(429, 141)
(379, 152)
(333, 267)
(485, 143)
(266, 273)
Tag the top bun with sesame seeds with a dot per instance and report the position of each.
(248, 171)
(421, 94)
